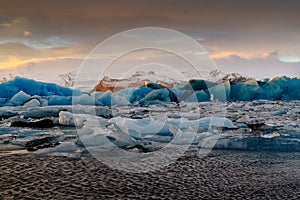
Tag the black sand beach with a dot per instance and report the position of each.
(220, 175)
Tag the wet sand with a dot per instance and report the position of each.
(220, 175)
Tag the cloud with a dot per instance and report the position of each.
(48, 43)
(17, 62)
(244, 55)
(261, 66)
(290, 59)
(231, 54)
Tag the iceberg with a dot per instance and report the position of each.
(290, 87)
(278, 88)
(245, 91)
(83, 99)
(20, 91)
(220, 92)
(3, 101)
(59, 100)
(32, 87)
(134, 94)
(271, 91)
(199, 96)
(195, 84)
(18, 99)
(103, 98)
(156, 97)
(32, 103)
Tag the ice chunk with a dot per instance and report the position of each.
(39, 141)
(139, 128)
(19, 99)
(220, 92)
(91, 140)
(103, 99)
(65, 149)
(245, 91)
(32, 103)
(134, 94)
(121, 139)
(119, 100)
(66, 119)
(108, 98)
(207, 123)
(91, 136)
(271, 91)
(153, 86)
(3, 101)
(60, 100)
(44, 112)
(196, 85)
(84, 99)
(156, 96)
(199, 96)
(290, 87)
(44, 102)
(70, 119)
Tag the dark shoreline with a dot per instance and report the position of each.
(223, 174)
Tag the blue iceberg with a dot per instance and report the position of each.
(32, 87)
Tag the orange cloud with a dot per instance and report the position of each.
(227, 54)
(15, 62)
(244, 55)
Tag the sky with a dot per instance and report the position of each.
(256, 38)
